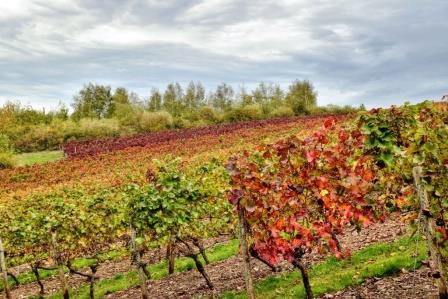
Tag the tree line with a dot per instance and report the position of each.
(99, 111)
(98, 101)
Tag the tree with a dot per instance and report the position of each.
(200, 95)
(194, 97)
(223, 97)
(155, 100)
(268, 97)
(6, 116)
(61, 112)
(244, 97)
(276, 96)
(260, 93)
(120, 97)
(92, 101)
(301, 96)
(190, 97)
(172, 99)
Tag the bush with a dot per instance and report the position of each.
(248, 112)
(88, 128)
(5, 144)
(200, 123)
(7, 160)
(180, 122)
(333, 109)
(282, 111)
(127, 115)
(208, 114)
(99, 128)
(39, 138)
(299, 108)
(50, 137)
(155, 121)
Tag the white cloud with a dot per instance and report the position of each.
(207, 9)
(351, 49)
(15, 9)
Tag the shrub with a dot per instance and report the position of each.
(282, 111)
(7, 160)
(84, 129)
(155, 121)
(299, 108)
(248, 112)
(39, 138)
(88, 128)
(333, 109)
(200, 123)
(98, 128)
(208, 114)
(127, 115)
(180, 122)
(192, 116)
(5, 144)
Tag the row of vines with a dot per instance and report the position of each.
(177, 207)
(94, 147)
(290, 197)
(297, 195)
(113, 168)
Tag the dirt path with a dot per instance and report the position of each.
(226, 275)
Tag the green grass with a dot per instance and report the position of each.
(38, 157)
(29, 277)
(332, 275)
(160, 270)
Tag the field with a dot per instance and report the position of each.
(304, 206)
(26, 159)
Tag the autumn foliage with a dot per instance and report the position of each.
(94, 147)
(298, 194)
(301, 193)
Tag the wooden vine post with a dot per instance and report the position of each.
(60, 265)
(170, 255)
(429, 231)
(245, 251)
(4, 271)
(137, 263)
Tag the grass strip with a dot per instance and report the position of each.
(79, 263)
(378, 260)
(38, 157)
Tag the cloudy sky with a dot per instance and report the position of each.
(373, 52)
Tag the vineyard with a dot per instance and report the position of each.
(93, 147)
(259, 209)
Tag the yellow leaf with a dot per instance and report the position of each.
(324, 192)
